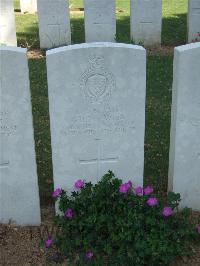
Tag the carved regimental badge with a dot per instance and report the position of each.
(97, 83)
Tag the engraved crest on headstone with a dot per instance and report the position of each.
(97, 83)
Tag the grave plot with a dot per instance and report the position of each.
(97, 111)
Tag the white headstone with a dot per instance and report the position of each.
(19, 198)
(193, 20)
(54, 23)
(97, 111)
(7, 23)
(146, 22)
(184, 170)
(29, 6)
(100, 20)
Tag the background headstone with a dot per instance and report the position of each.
(193, 20)
(7, 23)
(97, 111)
(100, 20)
(29, 6)
(184, 170)
(146, 22)
(54, 23)
(19, 198)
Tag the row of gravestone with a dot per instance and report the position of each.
(100, 21)
(97, 116)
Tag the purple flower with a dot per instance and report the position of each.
(167, 211)
(148, 190)
(125, 187)
(48, 242)
(56, 192)
(138, 190)
(89, 254)
(69, 213)
(79, 184)
(152, 201)
(198, 229)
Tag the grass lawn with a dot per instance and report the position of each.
(159, 81)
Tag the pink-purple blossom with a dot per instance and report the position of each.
(138, 190)
(198, 228)
(89, 254)
(48, 242)
(79, 184)
(167, 211)
(152, 201)
(56, 192)
(69, 213)
(148, 190)
(125, 187)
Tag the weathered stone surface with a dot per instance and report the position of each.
(54, 23)
(19, 198)
(184, 170)
(7, 23)
(146, 22)
(193, 20)
(97, 111)
(29, 6)
(100, 21)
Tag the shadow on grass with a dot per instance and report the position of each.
(174, 30)
(40, 109)
(30, 36)
(27, 31)
(77, 30)
(158, 115)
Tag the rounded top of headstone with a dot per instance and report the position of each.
(93, 45)
(186, 47)
(13, 49)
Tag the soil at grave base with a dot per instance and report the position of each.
(163, 50)
(21, 245)
(35, 54)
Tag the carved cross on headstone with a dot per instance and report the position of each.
(196, 11)
(56, 26)
(99, 159)
(4, 164)
(146, 22)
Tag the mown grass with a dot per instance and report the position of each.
(159, 81)
(39, 93)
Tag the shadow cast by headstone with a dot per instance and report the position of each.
(174, 30)
(77, 29)
(123, 29)
(41, 122)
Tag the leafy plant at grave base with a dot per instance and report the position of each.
(140, 43)
(114, 223)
